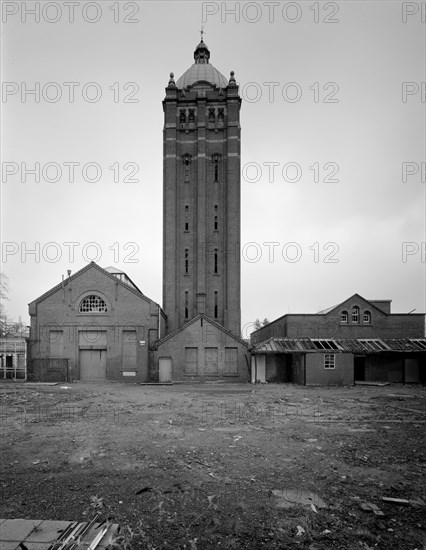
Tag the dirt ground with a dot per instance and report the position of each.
(220, 466)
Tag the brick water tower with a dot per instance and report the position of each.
(201, 196)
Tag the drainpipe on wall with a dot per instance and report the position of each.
(69, 286)
(304, 369)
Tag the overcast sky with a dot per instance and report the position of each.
(323, 144)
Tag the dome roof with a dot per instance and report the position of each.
(201, 71)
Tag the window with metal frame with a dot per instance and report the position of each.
(325, 344)
(373, 344)
(366, 317)
(93, 304)
(420, 343)
(329, 361)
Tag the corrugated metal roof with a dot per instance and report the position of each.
(352, 345)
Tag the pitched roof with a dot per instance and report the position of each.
(83, 270)
(332, 345)
(192, 321)
(354, 296)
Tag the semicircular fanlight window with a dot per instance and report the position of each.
(93, 304)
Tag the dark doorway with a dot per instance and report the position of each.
(359, 368)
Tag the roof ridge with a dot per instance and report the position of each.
(81, 271)
(191, 321)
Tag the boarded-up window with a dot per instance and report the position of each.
(211, 361)
(129, 349)
(56, 343)
(191, 360)
(231, 361)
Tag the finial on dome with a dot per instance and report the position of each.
(232, 79)
(202, 54)
(172, 80)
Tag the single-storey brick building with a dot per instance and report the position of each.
(95, 325)
(202, 350)
(357, 340)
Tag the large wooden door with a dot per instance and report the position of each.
(92, 364)
(129, 350)
(210, 361)
(411, 370)
(359, 368)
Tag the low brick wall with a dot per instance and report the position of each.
(48, 370)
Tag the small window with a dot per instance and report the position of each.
(215, 305)
(215, 261)
(355, 315)
(344, 317)
(366, 318)
(186, 261)
(329, 361)
(93, 304)
(186, 225)
(216, 158)
(186, 305)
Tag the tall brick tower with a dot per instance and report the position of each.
(201, 196)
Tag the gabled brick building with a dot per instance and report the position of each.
(358, 339)
(98, 324)
(202, 349)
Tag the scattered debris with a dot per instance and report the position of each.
(370, 507)
(404, 501)
(300, 531)
(372, 383)
(290, 497)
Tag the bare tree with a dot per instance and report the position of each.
(4, 289)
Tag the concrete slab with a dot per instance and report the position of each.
(47, 531)
(39, 534)
(8, 545)
(17, 529)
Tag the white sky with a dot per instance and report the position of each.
(368, 133)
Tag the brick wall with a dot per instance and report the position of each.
(341, 375)
(201, 335)
(382, 325)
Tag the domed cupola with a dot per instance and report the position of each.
(202, 70)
